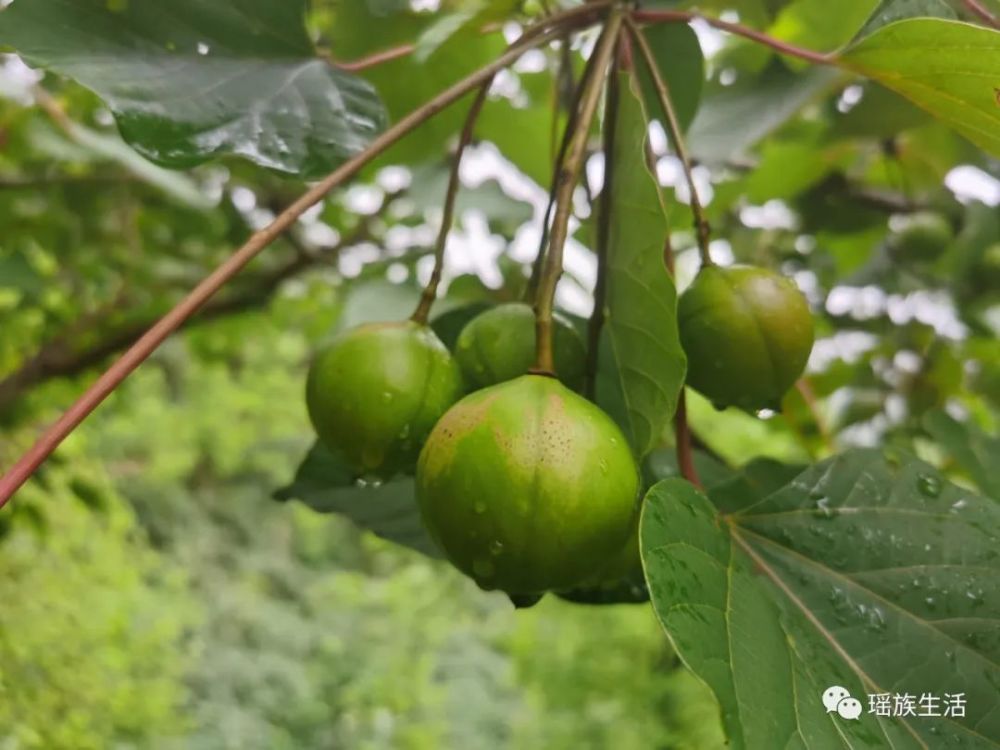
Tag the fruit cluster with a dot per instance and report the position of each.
(524, 484)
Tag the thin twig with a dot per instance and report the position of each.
(596, 321)
(448, 212)
(134, 356)
(566, 179)
(674, 128)
(394, 53)
(683, 16)
(983, 13)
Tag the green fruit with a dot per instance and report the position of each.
(625, 563)
(747, 333)
(376, 391)
(922, 236)
(499, 345)
(527, 487)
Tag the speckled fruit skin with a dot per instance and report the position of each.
(747, 333)
(499, 345)
(376, 391)
(527, 487)
(924, 235)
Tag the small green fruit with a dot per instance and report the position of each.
(376, 391)
(527, 487)
(923, 235)
(747, 333)
(499, 345)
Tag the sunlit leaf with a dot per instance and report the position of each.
(949, 68)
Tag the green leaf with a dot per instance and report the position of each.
(640, 334)
(735, 118)
(190, 81)
(879, 114)
(974, 451)
(815, 25)
(949, 68)
(388, 510)
(889, 11)
(463, 22)
(872, 574)
(681, 64)
(407, 83)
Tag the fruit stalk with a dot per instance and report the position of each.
(539, 265)
(448, 212)
(673, 126)
(553, 27)
(566, 179)
(596, 321)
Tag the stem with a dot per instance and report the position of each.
(685, 456)
(138, 352)
(603, 235)
(670, 117)
(682, 16)
(537, 267)
(982, 12)
(565, 181)
(447, 217)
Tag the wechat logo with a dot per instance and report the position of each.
(837, 699)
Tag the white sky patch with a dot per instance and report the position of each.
(849, 98)
(17, 79)
(970, 183)
(774, 214)
(711, 40)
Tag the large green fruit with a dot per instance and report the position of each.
(499, 345)
(923, 235)
(527, 487)
(376, 391)
(747, 333)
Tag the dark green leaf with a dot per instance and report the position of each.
(889, 11)
(682, 66)
(640, 336)
(872, 574)
(975, 452)
(189, 81)
(388, 510)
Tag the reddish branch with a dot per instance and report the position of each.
(683, 16)
(546, 31)
(983, 13)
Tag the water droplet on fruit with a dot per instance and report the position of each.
(604, 466)
(496, 547)
(483, 568)
(928, 485)
(405, 432)
(387, 396)
(479, 507)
